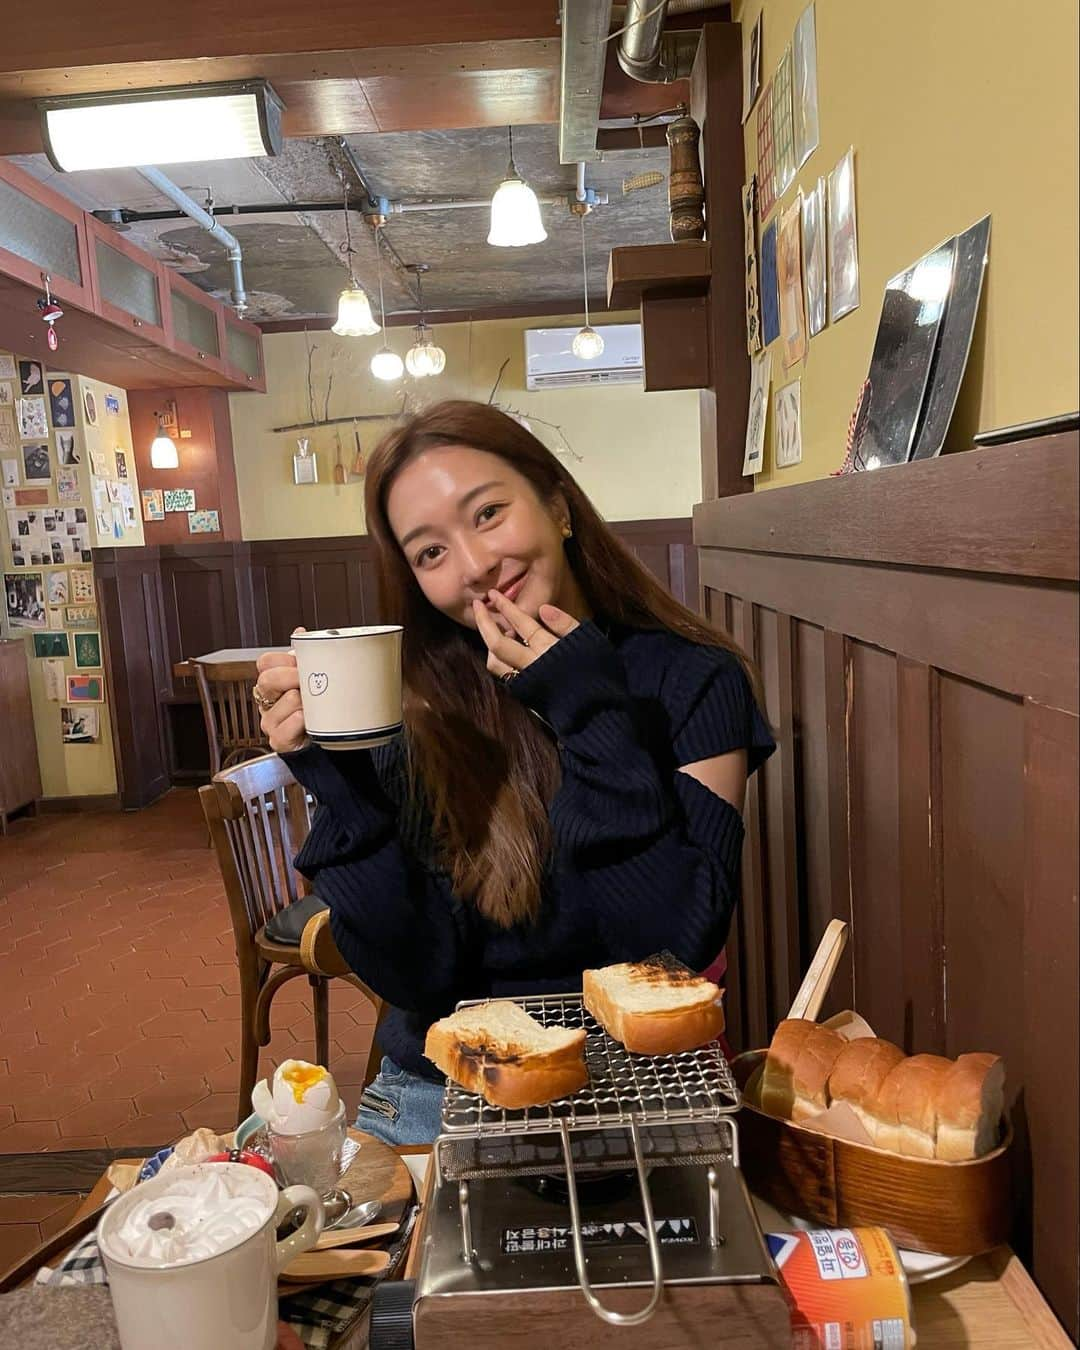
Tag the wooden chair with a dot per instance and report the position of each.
(232, 719)
(258, 817)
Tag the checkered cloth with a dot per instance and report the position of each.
(318, 1315)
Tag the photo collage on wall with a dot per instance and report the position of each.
(47, 533)
(802, 260)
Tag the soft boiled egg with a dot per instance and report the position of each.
(302, 1097)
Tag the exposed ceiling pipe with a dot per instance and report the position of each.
(191, 208)
(648, 54)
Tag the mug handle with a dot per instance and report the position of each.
(310, 1230)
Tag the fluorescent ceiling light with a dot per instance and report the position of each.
(184, 124)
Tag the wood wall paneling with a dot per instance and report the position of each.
(923, 684)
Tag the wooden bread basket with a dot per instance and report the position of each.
(954, 1208)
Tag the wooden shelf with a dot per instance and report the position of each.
(664, 271)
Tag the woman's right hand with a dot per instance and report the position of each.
(283, 723)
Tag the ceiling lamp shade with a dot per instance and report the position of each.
(354, 316)
(515, 216)
(587, 344)
(163, 450)
(182, 124)
(424, 357)
(387, 365)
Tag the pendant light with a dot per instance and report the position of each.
(354, 317)
(163, 454)
(385, 364)
(423, 357)
(587, 344)
(515, 212)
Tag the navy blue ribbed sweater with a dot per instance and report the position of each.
(644, 857)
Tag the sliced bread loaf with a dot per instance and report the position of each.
(654, 1007)
(509, 1058)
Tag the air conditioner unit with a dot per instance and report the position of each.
(550, 364)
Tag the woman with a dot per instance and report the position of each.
(567, 792)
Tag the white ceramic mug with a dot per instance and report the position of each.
(228, 1299)
(350, 685)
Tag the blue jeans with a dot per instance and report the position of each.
(400, 1107)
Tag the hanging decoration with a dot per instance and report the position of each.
(50, 312)
(424, 357)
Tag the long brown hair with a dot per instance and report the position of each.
(481, 766)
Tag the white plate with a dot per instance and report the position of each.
(919, 1267)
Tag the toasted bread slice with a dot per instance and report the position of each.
(654, 1007)
(510, 1059)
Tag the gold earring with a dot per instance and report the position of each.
(567, 532)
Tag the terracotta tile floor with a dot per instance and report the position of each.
(119, 1002)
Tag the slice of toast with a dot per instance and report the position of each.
(509, 1058)
(654, 1007)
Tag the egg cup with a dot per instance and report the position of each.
(312, 1158)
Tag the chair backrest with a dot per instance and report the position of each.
(232, 719)
(258, 816)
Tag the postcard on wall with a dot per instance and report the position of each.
(51, 644)
(82, 586)
(67, 450)
(32, 496)
(8, 496)
(753, 304)
(56, 618)
(203, 522)
(31, 377)
(813, 227)
(787, 432)
(766, 153)
(37, 463)
(153, 504)
(112, 404)
(7, 366)
(790, 281)
(760, 375)
(103, 521)
(783, 129)
(751, 65)
(843, 240)
(770, 304)
(32, 422)
(87, 650)
(25, 598)
(81, 616)
(10, 472)
(99, 465)
(54, 676)
(7, 394)
(61, 403)
(85, 689)
(9, 436)
(90, 407)
(179, 499)
(117, 521)
(804, 91)
(79, 726)
(57, 588)
(121, 463)
(67, 484)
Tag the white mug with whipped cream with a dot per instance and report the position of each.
(192, 1257)
(350, 685)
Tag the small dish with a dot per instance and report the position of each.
(152, 1166)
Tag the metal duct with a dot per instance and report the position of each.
(191, 208)
(648, 54)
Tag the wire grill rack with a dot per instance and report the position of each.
(692, 1088)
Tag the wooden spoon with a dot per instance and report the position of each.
(348, 1237)
(815, 986)
(337, 1264)
(340, 476)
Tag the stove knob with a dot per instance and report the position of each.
(391, 1325)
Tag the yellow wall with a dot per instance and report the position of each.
(956, 108)
(639, 452)
(76, 770)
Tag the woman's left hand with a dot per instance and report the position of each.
(528, 638)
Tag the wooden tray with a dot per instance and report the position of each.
(955, 1208)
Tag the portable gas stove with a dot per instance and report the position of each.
(623, 1202)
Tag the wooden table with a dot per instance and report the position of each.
(183, 670)
(989, 1304)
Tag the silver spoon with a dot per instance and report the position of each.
(357, 1216)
